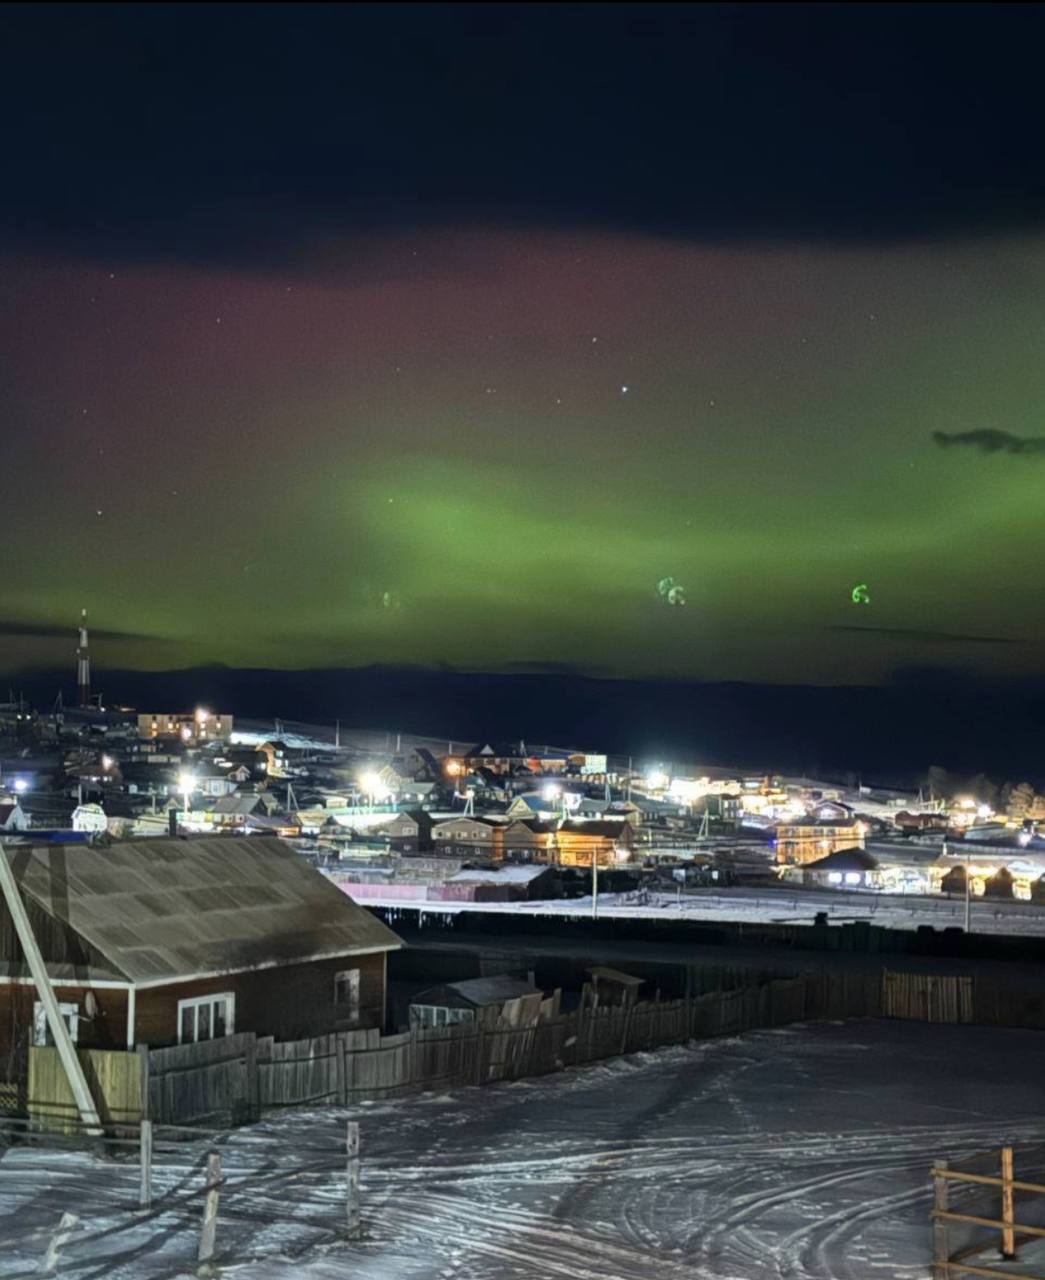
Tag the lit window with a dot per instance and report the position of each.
(42, 1032)
(834, 877)
(346, 994)
(852, 877)
(206, 1017)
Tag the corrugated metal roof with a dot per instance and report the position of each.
(221, 904)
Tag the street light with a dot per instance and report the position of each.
(186, 785)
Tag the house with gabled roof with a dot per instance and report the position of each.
(170, 941)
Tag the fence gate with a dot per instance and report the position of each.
(927, 997)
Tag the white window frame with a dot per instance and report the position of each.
(41, 1029)
(349, 1010)
(195, 1002)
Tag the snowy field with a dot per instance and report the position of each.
(781, 1155)
(779, 906)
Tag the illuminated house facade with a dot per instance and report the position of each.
(191, 726)
(807, 840)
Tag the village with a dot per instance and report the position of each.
(400, 819)
(220, 937)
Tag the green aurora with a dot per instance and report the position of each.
(419, 449)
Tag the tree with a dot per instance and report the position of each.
(939, 782)
(984, 790)
(1021, 797)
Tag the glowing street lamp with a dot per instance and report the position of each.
(375, 789)
(186, 785)
(656, 780)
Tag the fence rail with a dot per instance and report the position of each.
(953, 1253)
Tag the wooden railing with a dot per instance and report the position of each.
(1003, 1232)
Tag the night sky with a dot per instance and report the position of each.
(439, 334)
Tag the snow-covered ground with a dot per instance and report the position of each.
(783, 1155)
(781, 906)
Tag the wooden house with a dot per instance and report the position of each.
(168, 941)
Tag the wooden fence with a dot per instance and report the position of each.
(231, 1080)
(927, 997)
(213, 1081)
(116, 1080)
(981, 1207)
(243, 1075)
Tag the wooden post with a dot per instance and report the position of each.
(352, 1228)
(253, 1107)
(941, 1243)
(209, 1230)
(341, 1068)
(479, 1049)
(1008, 1212)
(143, 1061)
(145, 1199)
(66, 1226)
(627, 1025)
(71, 1064)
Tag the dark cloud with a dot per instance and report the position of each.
(932, 637)
(51, 631)
(197, 131)
(987, 440)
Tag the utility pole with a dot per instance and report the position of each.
(594, 884)
(337, 734)
(968, 898)
(38, 969)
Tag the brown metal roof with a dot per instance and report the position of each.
(164, 909)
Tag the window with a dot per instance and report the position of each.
(42, 1032)
(206, 1017)
(346, 994)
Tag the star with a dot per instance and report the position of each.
(624, 390)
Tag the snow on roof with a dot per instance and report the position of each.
(499, 875)
(162, 909)
(494, 990)
(844, 860)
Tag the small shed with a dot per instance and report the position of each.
(612, 986)
(497, 884)
(843, 869)
(467, 1001)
